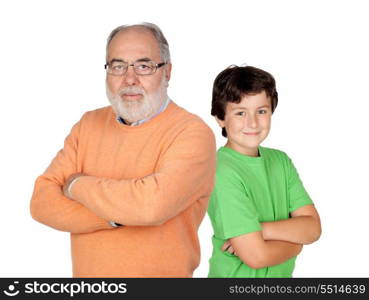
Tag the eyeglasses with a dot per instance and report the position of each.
(120, 67)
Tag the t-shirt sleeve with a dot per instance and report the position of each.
(231, 211)
(298, 196)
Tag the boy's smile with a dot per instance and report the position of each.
(247, 123)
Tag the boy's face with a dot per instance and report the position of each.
(247, 123)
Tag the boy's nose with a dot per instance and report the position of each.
(251, 121)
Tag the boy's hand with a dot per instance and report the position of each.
(227, 246)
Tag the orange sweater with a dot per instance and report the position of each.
(154, 178)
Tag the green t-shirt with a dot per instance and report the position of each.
(248, 191)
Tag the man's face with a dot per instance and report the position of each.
(136, 97)
(247, 123)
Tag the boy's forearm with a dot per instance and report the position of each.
(257, 253)
(277, 252)
(301, 230)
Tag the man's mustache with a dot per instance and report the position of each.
(131, 90)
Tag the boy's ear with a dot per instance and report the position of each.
(220, 122)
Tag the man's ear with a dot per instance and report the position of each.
(168, 71)
(220, 122)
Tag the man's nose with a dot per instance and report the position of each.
(130, 77)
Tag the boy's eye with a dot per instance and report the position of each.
(262, 111)
(240, 113)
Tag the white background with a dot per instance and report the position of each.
(51, 72)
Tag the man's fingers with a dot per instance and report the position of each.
(68, 183)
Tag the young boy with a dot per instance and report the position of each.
(259, 209)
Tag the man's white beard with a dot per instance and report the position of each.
(133, 111)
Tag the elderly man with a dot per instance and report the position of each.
(133, 180)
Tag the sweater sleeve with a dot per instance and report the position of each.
(184, 175)
(49, 205)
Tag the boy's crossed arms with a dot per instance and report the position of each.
(278, 241)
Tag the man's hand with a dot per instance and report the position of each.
(227, 246)
(70, 180)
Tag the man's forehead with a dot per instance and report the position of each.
(134, 44)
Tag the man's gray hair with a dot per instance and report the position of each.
(154, 29)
